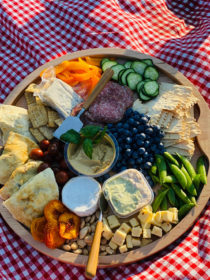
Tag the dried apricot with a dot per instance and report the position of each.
(69, 224)
(53, 210)
(37, 228)
(52, 238)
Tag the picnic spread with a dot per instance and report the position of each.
(102, 151)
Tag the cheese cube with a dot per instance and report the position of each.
(148, 208)
(175, 215)
(145, 216)
(123, 249)
(146, 233)
(105, 221)
(134, 222)
(119, 237)
(167, 216)
(125, 227)
(113, 221)
(136, 242)
(157, 231)
(112, 244)
(136, 231)
(107, 232)
(166, 227)
(129, 242)
(144, 241)
(156, 219)
(146, 225)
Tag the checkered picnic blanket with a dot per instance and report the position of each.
(36, 31)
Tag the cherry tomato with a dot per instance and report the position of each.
(61, 177)
(42, 167)
(44, 144)
(36, 154)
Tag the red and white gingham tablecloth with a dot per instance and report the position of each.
(36, 31)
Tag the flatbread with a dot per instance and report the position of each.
(18, 177)
(29, 202)
(37, 115)
(47, 132)
(13, 118)
(52, 116)
(16, 152)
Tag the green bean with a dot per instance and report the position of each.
(190, 186)
(162, 170)
(197, 181)
(179, 175)
(169, 157)
(193, 199)
(185, 209)
(187, 165)
(154, 169)
(155, 179)
(180, 193)
(164, 204)
(171, 196)
(200, 168)
(156, 203)
(170, 179)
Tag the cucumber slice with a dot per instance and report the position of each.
(108, 64)
(151, 88)
(139, 86)
(123, 79)
(128, 64)
(120, 75)
(117, 68)
(148, 61)
(133, 79)
(151, 73)
(105, 59)
(144, 97)
(139, 67)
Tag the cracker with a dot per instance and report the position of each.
(31, 88)
(52, 116)
(37, 134)
(30, 99)
(37, 115)
(182, 152)
(165, 119)
(59, 121)
(47, 132)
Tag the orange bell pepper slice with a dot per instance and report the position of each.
(69, 224)
(93, 60)
(52, 238)
(53, 210)
(37, 228)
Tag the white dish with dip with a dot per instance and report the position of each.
(127, 192)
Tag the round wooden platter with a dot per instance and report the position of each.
(201, 112)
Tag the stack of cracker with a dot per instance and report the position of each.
(172, 111)
(44, 120)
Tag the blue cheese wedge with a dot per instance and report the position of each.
(29, 202)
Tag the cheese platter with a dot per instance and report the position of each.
(150, 99)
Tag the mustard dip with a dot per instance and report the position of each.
(127, 192)
(102, 158)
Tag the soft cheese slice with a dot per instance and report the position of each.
(19, 177)
(16, 152)
(29, 202)
(13, 118)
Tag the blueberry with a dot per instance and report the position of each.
(136, 123)
(139, 160)
(131, 121)
(150, 158)
(109, 125)
(143, 120)
(141, 151)
(146, 126)
(134, 130)
(127, 132)
(147, 143)
(115, 134)
(149, 131)
(131, 161)
(129, 112)
(135, 146)
(146, 155)
(136, 116)
(134, 155)
(119, 140)
(140, 142)
(119, 125)
(153, 148)
(120, 130)
(140, 128)
(128, 152)
(142, 136)
(120, 157)
(156, 128)
(128, 140)
(127, 146)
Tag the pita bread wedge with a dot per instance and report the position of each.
(18, 177)
(29, 202)
(16, 152)
(13, 118)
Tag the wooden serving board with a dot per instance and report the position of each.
(202, 114)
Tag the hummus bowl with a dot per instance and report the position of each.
(105, 156)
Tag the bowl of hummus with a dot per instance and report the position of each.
(104, 157)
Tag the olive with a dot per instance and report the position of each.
(44, 144)
(47, 157)
(42, 167)
(61, 177)
(53, 149)
(63, 164)
(36, 154)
